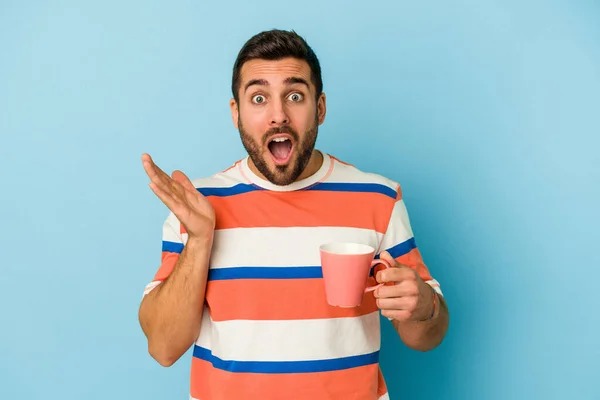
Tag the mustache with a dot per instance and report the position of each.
(280, 129)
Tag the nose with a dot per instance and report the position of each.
(279, 114)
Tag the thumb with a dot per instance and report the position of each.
(183, 180)
(387, 257)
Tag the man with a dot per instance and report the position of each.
(237, 280)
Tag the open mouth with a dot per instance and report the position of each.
(280, 147)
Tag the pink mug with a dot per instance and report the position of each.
(346, 269)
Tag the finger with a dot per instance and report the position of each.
(166, 197)
(399, 315)
(182, 179)
(148, 164)
(395, 274)
(153, 171)
(398, 303)
(404, 288)
(165, 183)
(387, 257)
(155, 174)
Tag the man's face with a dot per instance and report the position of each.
(278, 117)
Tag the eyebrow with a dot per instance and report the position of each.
(288, 81)
(259, 82)
(295, 79)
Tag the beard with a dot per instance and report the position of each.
(281, 175)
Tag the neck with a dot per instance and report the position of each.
(314, 164)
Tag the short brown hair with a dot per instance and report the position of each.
(275, 45)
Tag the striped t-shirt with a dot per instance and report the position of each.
(268, 332)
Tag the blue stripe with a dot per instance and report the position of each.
(401, 248)
(356, 187)
(398, 250)
(326, 186)
(172, 247)
(219, 274)
(286, 367)
(228, 191)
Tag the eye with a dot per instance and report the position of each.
(295, 97)
(258, 99)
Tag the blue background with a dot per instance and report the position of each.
(487, 112)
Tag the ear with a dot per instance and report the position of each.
(321, 108)
(235, 112)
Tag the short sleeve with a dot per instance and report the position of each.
(173, 240)
(400, 242)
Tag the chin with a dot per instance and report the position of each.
(283, 174)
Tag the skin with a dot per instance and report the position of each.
(275, 97)
(409, 302)
(170, 315)
(278, 102)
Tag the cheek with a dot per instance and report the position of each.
(254, 123)
(307, 115)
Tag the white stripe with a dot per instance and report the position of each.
(297, 246)
(171, 229)
(435, 285)
(341, 173)
(347, 174)
(290, 340)
(149, 287)
(230, 178)
(399, 229)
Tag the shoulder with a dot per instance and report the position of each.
(343, 172)
(223, 180)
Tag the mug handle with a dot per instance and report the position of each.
(373, 263)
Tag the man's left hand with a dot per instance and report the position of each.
(409, 299)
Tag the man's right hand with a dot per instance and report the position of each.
(177, 192)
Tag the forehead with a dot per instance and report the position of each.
(276, 71)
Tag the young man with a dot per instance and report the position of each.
(240, 275)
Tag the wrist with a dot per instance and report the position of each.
(204, 236)
(199, 243)
(434, 305)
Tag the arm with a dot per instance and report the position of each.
(417, 311)
(411, 298)
(171, 310)
(170, 314)
(425, 335)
